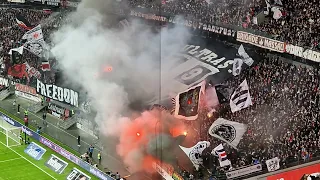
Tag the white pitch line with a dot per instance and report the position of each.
(102, 152)
(10, 160)
(29, 161)
(109, 155)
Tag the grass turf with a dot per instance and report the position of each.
(16, 164)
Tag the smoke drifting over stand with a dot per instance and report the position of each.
(88, 44)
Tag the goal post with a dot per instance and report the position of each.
(11, 136)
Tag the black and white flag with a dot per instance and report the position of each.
(273, 164)
(228, 131)
(222, 155)
(187, 102)
(35, 42)
(275, 8)
(19, 50)
(245, 56)
(34, 34)
(194, 153)
(37, 47)
(237, 65)
(240, 98)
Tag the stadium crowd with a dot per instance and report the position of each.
(283, 121)
(299, 24)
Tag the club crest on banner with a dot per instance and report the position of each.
(226, 131)
(194, 153)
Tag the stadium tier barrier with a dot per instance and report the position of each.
(73, 158)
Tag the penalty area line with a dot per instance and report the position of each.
(10, 160)
(29, 161)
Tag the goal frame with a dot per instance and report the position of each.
(18, 143)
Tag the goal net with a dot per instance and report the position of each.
(10, 135)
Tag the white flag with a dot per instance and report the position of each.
(244, 55)
(273, 164)
(34, 34)
(222, 155)
(194, 153)
(237, 66)
(19, 50)
(240, 98)
(228, 131)
(35, 42)
(277, 14)
(38, 48)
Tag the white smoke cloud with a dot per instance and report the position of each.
(87, 44)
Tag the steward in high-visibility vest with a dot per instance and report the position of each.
(26, 112)
(99, 158)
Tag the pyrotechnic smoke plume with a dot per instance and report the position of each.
(88, 44)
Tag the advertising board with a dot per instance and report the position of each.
(35, 151)
(76, 174)
(296, 174)
(56, 164)
(244, 171)
(73, 158)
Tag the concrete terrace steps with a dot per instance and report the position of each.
(37, 107)
(66, 124)
(4, 94)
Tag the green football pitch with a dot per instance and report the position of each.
(15, 164)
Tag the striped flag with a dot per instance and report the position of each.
(22, 22)
(240, 98)
(222, 155)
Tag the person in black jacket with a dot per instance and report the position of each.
(79, 141)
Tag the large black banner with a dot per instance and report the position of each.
(201, 59)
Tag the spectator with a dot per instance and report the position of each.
(99, 157)
(79, 141)
(44, 117)
(26, 113)
(90, 150)
(39, 130)
(117, 176)
(26, 121)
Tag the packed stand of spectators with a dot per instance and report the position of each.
(299, 24)
(284, 120)
(11, 34)
(207, 11)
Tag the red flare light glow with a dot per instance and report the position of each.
(137, 133)
(107, 69)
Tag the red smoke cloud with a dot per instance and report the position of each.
(137, 133)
